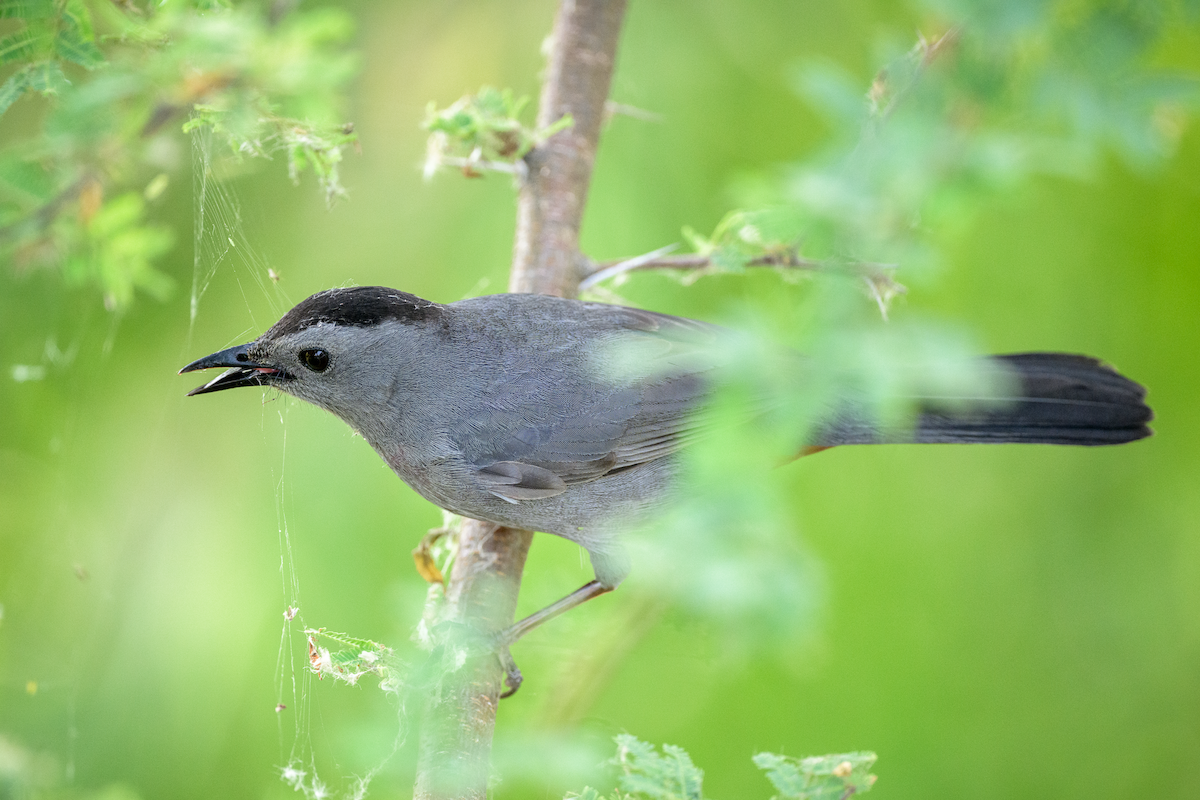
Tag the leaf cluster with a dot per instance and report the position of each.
(50, 34)
(483, 131)
(997, 94)
(646, 773)
(831, 777)
(122, 83)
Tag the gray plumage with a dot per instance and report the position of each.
(562, 416)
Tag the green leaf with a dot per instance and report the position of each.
(119, 250)
(45, 77)
(670, 775)
(12, 89)
(358, 657)
(75, 40)
(483, 131)
(697, 241)
(588, 793)
(742, 236)
(318, 150)
(24, 44)
(26, 9)
(831, 777)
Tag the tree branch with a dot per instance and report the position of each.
(877, 277)
(546, 255)
(459, 717)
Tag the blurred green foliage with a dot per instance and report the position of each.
(647, 774)
(992, 99)
(831, 777)
(123, 80)
(991, 95)
(982, 617)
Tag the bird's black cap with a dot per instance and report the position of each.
(360, 306)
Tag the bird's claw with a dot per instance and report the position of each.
(512, 675)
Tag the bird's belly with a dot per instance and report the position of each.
(590, 513)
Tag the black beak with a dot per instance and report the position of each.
(243, 371)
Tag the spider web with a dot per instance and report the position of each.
(221, 246)
(219, 238)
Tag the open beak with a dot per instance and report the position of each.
(243, 371)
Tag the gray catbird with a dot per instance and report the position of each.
(505, 408)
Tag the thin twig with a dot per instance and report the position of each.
(612, 109)
(475, 166)
(876, 274)
(603, 272)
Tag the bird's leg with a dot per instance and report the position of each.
(512, 675)
(578, 597)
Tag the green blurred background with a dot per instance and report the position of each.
(997, 622)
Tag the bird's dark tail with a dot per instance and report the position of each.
(1057, 399)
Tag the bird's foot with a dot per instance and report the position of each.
(512, 675)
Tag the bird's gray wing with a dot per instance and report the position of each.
(573, 415)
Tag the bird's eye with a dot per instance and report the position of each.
(316, 360)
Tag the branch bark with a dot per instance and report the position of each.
(546, 256)
(481, 594)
